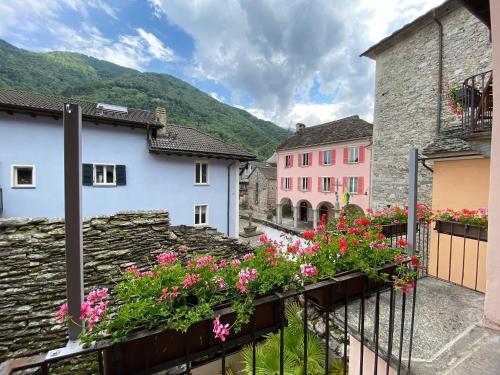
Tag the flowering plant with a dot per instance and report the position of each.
(175, 295)
(397, 215)
(477, 217)
(454, 102)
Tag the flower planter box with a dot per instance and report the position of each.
(147, 351)
(462, 230)
(390, 230)
(468, 95)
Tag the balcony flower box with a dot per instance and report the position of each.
(399, 229)
(459, 229)
(468, 95)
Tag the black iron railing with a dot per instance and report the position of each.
(1, 201)
(351, 304)
(476, 98)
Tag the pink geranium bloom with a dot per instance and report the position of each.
(166, 258)
(220, 330)
(190, 280)
(308, 270)
(62, 313)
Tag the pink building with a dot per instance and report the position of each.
(319, 164)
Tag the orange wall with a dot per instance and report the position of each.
(459, 184)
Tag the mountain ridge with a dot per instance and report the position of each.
(76, 75)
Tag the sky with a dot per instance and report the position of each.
(286, 61)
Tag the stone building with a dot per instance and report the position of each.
(261, 194)
(415, 67)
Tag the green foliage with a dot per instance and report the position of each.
(75, 75)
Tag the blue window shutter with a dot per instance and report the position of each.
(87, 174)
(121, 175)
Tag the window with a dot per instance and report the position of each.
(288, 161)
(201, 173)
(353, 154)
(305, 159)
(325, 184)
(304, 184)
(286, 183)
(256, 193)
(23, 176)
(104, 174)
(327, 157)
(201, 214)
(353, 185)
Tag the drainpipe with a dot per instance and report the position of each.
(439, 94)
(229, 194)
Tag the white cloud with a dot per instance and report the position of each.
(217, 97)
(156, 47)
(273, 51)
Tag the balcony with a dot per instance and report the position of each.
(476, 102)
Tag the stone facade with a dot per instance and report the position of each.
(32, 267)
(262, 192)
(406, 96)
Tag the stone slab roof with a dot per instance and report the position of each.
(182, 140)
(30, 102)
(408, 29)
(269, 173)
(346, 129)
(449, 141)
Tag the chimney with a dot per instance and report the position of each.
(161, 115)
(299, 126)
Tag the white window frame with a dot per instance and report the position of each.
(323, 179)
(303, 184)
(105, 167)
(13, 176)
(200, 162)
(329, 153)
(355, 183)
(305, 159)
(286, 183)
(353, 156)
(206, 215)
(288, 161)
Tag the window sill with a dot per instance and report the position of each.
(353, 162)
(104, 185)
(201, 184)
(200, 225)
(24, 187)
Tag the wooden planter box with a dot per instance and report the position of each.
(144, 351)
(345, 286)
(462, 230)
(390, 230)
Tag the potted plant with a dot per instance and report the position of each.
(466, 223)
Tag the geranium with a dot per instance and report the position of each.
(308, 270)
(477, 217)
(220, 330)
(235, 262)
(166, 258)
(167, 295)
(248, 256)
(94, 307)
(62, 313)
(245, 276)
(343, 245)
(308, 234)
(190, 280)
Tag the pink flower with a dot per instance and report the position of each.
(220, 330)
(245, 276)
(377, 245)
(399, 259)
(235, 262)
(205, 261)
(147, 273)
(263, 239)
(97, 295)
(220, 282)
(168, 296)
(62, 313)
(401, 243)
(166, 258)
(308, 270)
(313, 249)
(133, 270)
(190, 280)
(248, 256)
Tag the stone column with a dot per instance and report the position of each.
(279, 214)
(315, 218)
(492, 299)
(295, 216)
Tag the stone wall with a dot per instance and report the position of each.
(265, 200)
(406, 98)
(32, 267)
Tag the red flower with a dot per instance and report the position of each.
(415, 262)
(343, 245)
(308, 234)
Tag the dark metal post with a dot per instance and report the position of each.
(72, 119)
(412, 201)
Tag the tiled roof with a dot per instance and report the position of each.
(187, 141)
(449, 141)
(346, 129)
(50, 104)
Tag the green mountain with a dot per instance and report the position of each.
(76, 75)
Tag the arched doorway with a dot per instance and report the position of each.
(323, 212)
(303, 211)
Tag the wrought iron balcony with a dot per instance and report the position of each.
(476, 99)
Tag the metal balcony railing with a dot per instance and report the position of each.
(476, 98)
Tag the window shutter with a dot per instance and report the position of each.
(346, 155)
(291, 160)
(290, 184)
(309, 183)
(361, 154)
(87, 174)
(310, 159)
(332, 184)
(346, 183)
(320, 183)
(121, 175)
(298, 183)
(334, 154)
(300, 160)
(361, 188)
(320, 156)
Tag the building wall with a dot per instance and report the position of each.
(265, 200)
(153, 181)
(406, 98)
(339, 170)
(459, 184)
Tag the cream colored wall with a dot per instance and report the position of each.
(459, 184)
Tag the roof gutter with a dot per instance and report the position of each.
(439, 94)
